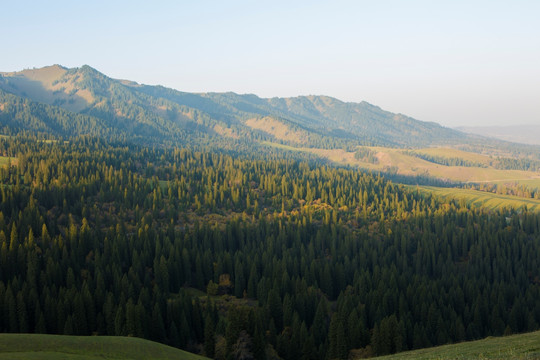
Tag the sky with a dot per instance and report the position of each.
(457, 63)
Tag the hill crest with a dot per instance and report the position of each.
(169, 115)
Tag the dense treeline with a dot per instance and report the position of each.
(503, 163)
(18, 115)
(447, 161)
(511, 188)
(367, 155)
(103, 239)
(517, 164)
(507, 155)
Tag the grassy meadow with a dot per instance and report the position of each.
(522, 346)
(45, 347)
(482, 198)
(406, 164)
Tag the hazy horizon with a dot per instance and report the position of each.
(457, 64)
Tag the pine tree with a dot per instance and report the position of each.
(319, 326)
(209, 337)
(120, 322)
(10, 311)
(80, 324)
(68, 327)
(157, 332)
(22, 314)
(275, 309)
(174, 338)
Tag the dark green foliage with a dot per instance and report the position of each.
(521, 163)
(20, 114)
(453, 161)
(209, 337)
(275, 310)
(366, 155)
(108, 239)
(526, 164)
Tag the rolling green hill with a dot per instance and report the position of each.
(522, 346)
(43, 347)
(483, 198)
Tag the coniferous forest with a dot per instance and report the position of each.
(257, 257)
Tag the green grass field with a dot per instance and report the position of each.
(45, 347)
(482, 198)
(282, 146)
(523, 346)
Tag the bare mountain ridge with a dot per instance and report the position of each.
(162, 114)
(43, 85)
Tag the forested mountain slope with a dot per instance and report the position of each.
(77, 97)
(126, 240)
(160, 115)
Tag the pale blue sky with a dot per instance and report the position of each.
(452, 62)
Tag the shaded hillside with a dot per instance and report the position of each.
(19, 114)
(322, 116)
(165, 115)
(73, 98)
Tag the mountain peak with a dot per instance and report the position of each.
(46, 74)
(166, 113)
(89, 69)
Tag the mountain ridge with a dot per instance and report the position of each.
(165, 115)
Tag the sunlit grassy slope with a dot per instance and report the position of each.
(530, 183)
(482, 198)
(399, 161)
(44, 347)
(406, 164)
(523, 346)
(455, 153)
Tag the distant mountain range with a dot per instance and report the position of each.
(525, 134)
(82, 100)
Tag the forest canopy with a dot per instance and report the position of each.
(120, 239)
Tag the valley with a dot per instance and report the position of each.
(234, 226)
(408, 163)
